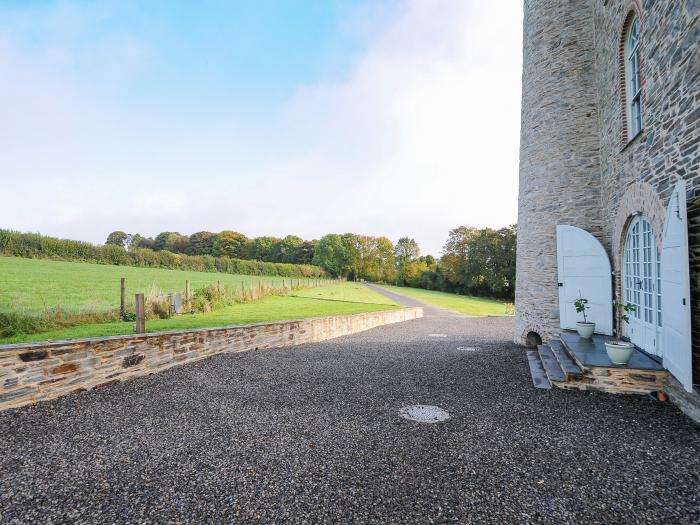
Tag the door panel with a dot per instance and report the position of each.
(583, 266)
(675, 290)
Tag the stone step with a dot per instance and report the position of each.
(539, 376)
(551, 365)
(564, 342)
(566, 362)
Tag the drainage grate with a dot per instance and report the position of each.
(424, 413)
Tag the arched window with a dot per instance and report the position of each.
(633, 86)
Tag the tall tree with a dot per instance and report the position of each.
(172, 241)
(201, 243)
(332, 255)
(119, 238)
(264, 248)
(230, 244)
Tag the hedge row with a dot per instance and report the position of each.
(35, 246)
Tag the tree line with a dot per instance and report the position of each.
(474, 261)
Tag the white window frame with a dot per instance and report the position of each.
(633, 79)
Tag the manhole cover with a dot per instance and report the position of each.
(467, 349)
(424, 413)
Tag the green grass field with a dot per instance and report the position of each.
(337, 299)
(32, 285)
(463, 304)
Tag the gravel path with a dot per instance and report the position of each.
(312, 434)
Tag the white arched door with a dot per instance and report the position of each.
(675, 283)
(642, 286)
(583, 269)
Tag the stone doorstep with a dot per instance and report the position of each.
(648, 377)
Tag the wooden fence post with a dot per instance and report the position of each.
(140, 314)
(170, 305)
(122, 300)
(218, 287)
(187, 291)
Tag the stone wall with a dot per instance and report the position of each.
(559, 164)
(40, 371)
(669, 146)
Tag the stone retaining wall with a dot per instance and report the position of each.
(39, 371)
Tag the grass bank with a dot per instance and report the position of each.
(337, 299)
(33, 285)
(463, 304)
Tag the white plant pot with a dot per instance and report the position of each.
(619, 352)
(585, 330)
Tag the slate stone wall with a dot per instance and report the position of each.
(40, 371)
(668, 148)
(559, 163)
(572, 69)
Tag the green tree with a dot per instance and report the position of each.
(264, 248)
(201, 243)
(119, 238)
(172, 241)
(405, 252)
(139, 241)
(230, 244)
(288, 249)
(332, 254)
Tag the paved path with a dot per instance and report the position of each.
(312, 434)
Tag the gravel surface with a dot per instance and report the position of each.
(313, 434)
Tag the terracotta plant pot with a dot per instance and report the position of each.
(585, 330)
(619, 352)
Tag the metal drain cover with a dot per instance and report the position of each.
(424, 413)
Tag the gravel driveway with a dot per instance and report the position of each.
(312, 434)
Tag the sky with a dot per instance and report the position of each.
(268, 117)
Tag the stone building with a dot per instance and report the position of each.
(609, 164)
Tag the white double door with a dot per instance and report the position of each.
(642, 286)
(653, 281)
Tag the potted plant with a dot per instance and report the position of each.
(619, 351)
(584, 328)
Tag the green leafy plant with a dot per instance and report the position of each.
(581, 306)
(622, 310)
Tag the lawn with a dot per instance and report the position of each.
(32, 285)
(463, 304)
(337, 299)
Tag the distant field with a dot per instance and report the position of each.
(464, 304)
(354, 292)
(32, 285)
(345, 298)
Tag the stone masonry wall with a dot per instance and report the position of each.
(559, 162)
(669, 146)
(40, 371)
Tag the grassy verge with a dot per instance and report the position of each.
(34, 285)
(346, 298)
(463, 304)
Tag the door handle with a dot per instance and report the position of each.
(560, 284)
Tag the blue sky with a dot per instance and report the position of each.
(266, 117)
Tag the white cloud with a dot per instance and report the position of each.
(420, 137)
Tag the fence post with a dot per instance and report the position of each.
(122, 300)
(218, 288)
(140, 314)
(170, 305)
(187, 291)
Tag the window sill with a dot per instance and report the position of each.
(632, 140)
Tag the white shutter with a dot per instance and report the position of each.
(675, 290)
(583, 266)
